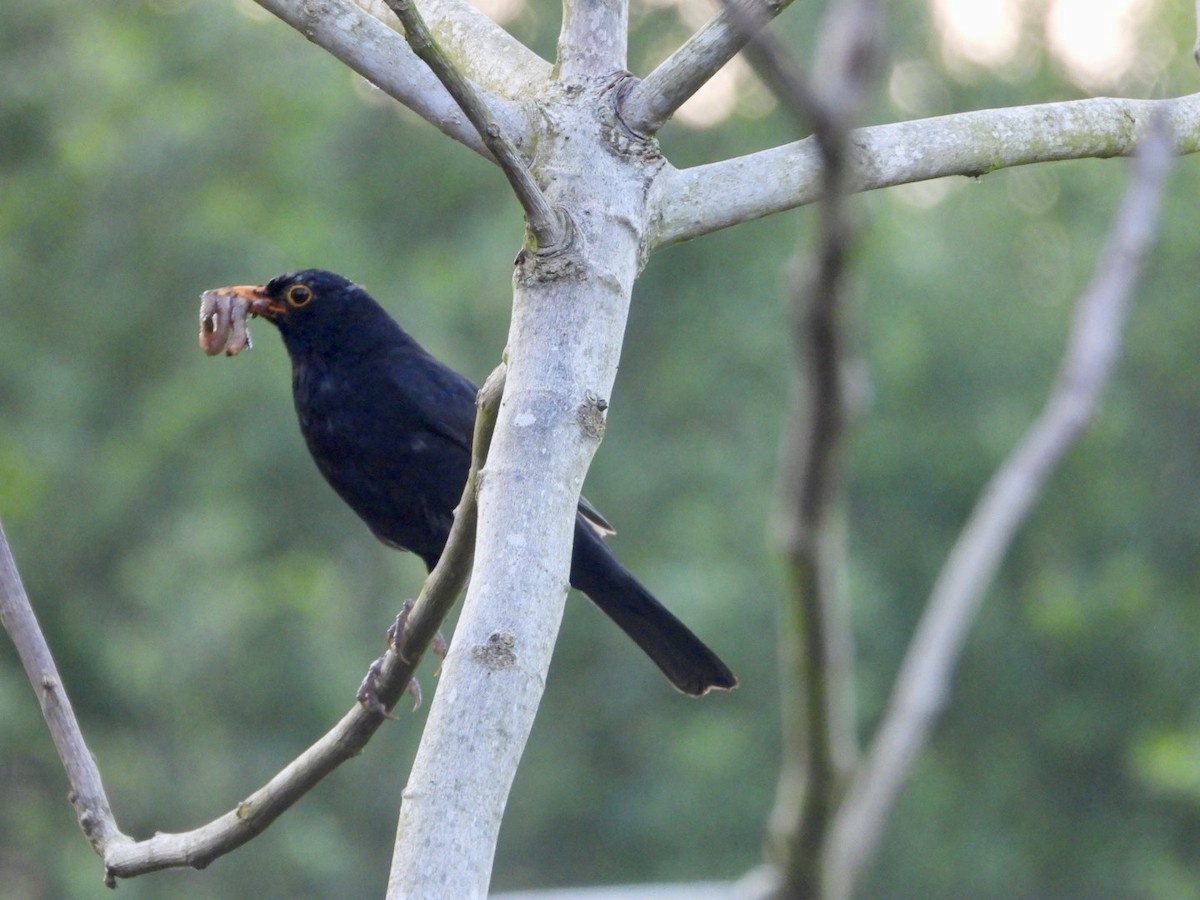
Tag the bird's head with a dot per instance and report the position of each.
(311, 307)
(293, 299)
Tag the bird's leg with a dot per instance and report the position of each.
(396, 633)
(368, 691)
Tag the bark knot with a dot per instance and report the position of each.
(622, 140)
(590, 415)
(497, 653)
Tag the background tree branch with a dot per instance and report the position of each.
(924, 680)
(815, 639)
(1196, 46)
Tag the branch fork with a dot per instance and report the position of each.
(545, 225)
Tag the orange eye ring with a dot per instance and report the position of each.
(298, 295)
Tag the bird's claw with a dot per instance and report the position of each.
(368, 691)
(397, 633)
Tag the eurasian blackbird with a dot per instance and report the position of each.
(390, 428)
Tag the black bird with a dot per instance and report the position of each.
(390, 428)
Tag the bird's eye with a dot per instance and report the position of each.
(298, 295)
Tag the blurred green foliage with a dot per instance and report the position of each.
(213, 605)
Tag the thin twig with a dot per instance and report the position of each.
(778, 68)
(816, 646)
(654, 99)
(547, 227)
(376, 51)
(492, 58)
(923, 683)
(126, 858)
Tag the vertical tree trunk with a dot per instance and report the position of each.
(569, 315)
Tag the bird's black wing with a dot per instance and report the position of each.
(393, 438)
(454, 418)
(391, 434)
(444, 399)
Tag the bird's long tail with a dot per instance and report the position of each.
(685, 659)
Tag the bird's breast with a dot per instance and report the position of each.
(322, 398)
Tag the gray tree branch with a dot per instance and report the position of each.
(482, 50)
(362, 36)
(654, 99)
(87, 791)
(704, 199)
(569, 314)
(593, 39)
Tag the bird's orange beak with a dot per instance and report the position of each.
(259, 303)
